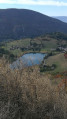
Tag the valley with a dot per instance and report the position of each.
(37, 90)
(49, 43)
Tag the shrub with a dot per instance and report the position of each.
(27, 94)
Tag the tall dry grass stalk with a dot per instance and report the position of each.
(28, 94)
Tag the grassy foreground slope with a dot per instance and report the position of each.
(29, 94)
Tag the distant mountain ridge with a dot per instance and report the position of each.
(62, 18)
(22, 23)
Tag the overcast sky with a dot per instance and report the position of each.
(48, 7)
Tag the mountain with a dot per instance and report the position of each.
(22, 23)
(62, 18)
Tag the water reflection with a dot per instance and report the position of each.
(28, 60)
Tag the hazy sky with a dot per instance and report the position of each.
(48, 7)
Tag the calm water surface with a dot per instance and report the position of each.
(28, 60)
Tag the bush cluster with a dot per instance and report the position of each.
(27, 94)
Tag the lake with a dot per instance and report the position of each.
(28, 59)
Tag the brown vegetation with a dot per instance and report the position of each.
(28, 94)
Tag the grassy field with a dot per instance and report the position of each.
(45, 43)
(17, 43)
(60, 62)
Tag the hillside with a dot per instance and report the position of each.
(62, 18)
(60, 62)
(22, 23)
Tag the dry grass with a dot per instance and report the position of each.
(27, 94)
